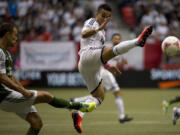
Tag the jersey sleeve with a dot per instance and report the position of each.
(2, 62)
(89, 24)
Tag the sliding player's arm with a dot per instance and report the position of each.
(4, 79)
(91, 31)
(16, 81)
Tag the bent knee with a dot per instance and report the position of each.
(37, 124)
(44, 97)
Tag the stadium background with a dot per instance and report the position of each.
(47, 57)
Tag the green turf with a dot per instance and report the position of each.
(143, 105)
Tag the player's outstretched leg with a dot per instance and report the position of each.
(83, 107)
(176, 114)
(123, 47)
(144, 35)
(77, 120)
(77, 116)
(120, 107)
(45, 97)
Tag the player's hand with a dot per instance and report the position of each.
(114, 70)
(103, 25)
(27, 93)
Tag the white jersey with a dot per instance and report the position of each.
(95, 40)
(90, 56)
(2, 62)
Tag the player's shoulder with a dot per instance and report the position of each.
(1, 53)
(90, 21)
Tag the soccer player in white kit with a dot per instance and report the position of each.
(93, 55)
(110, 84)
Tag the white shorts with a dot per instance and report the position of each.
(108, 80)
(15, 102)
(89, 66)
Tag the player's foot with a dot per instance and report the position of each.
(175, 116)
(144, 35)
(88, 107)
(125, 119)
(77, 119)
(165, 106)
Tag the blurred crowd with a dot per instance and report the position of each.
(44, 20)
(164, 15)
(48, 20)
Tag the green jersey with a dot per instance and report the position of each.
(5, 68)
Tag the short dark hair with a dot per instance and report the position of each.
(105, 7)
(6, 27)
(116, 34)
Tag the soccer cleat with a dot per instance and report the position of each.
(165, 105)
(144, 35)
(125, 119)
(87, 107)
(77, 119)
(175, 116)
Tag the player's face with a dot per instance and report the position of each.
(102, 15)
(12, 37)
(116, 39)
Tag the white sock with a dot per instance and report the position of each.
(87, 99)
(120, 107)
(178, 110)
(81, 113)
(81, 99)
(124, 46)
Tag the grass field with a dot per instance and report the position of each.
(144, 105)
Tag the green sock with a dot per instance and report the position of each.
(176, 99)
(61, 103)
(32, 131)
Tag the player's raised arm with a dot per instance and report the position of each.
(91, 31)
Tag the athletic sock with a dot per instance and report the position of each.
(32, 131)
(88, 99)
(81, 113)
(81, 99)
(178, 111)
(62, 103)
(120, 107)
(124, 46)
(176, 99)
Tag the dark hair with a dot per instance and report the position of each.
(105, 7)
(6, 27)
(116, 34)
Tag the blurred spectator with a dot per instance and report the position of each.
(64, 31)
(31, 36)
(77, 31)
(13, 8)
(23, 6)
(3, 8)
(45, 35)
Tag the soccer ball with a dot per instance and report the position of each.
(171, 45)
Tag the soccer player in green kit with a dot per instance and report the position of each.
(15, 98)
